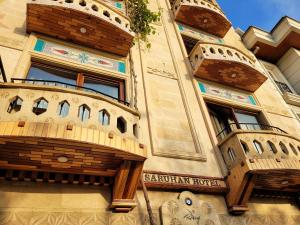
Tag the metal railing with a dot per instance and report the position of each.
(65, 85)
(283, 87)
(247, 126)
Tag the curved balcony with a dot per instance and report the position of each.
(203, 15)
(52, 129)
(90, 23)
(226, 65)
(266, 159)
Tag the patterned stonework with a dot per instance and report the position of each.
(228, 94)
(188, 210)
(75, 55)
(199, 35)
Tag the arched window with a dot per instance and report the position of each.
(245, 147)
(104, 117)
(293, 149)
(40, 106)
(15, 105)
(284, 148)
(231, 154)
(84, 113)
(121, 124)
(63, 109)
(258, 147)
(272, 147)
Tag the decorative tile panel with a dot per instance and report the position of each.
(225, 93)
(194, 33)
(78, 56)
(117, 4)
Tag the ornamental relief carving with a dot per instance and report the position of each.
(160, 72)
(188, 210)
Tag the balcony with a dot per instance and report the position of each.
(226, 65)
(275, 44)
(89, 23)
(77, 136)
(259, 158)
(203, 15)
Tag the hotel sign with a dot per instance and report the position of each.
(172, 181)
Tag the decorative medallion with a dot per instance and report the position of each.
(188, 210)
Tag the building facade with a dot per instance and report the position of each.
(207, 118)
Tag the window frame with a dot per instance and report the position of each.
(82, 75)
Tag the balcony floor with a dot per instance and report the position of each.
(216, 24)
(78, 27)
(221, 71)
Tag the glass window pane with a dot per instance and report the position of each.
(103, 87)
(248, 122)
(37, 72)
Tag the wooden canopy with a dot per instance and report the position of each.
(73, 150)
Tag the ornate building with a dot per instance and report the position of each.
(207, 119)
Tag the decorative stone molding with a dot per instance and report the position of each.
(291, 98)
(188, 210)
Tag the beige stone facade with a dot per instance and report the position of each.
(166, 119)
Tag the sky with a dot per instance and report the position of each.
(260, 13)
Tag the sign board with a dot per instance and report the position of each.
(172, 181)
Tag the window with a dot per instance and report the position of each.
(283, 148)
(40, 106)
(63, 109)
(293, 149)
(104, 86)
(245, 147)
(231, 154)
(49, 73)
(272, 147)
(15, 105)
(135, 130)
(247, 121)
(121, 124)
(258, 147)
(104, 117)
(84, 113)
(55, 76)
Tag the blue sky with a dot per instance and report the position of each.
(261, 13)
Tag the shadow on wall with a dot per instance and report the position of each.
(30, 195)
